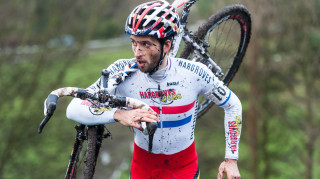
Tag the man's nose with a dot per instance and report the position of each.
(138, 50)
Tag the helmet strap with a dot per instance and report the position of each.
(161, 58)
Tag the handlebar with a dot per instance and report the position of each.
(102, 97)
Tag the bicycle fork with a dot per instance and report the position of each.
(74, 157)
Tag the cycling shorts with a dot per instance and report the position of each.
(181, 165)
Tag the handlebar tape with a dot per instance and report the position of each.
(51, 103)
(104, 77)
(81, 93)
(120, 101)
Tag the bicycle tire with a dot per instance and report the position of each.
(238, 14)
(95, 136)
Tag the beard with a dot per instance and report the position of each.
(149, 67)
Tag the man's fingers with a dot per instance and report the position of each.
(134, 117)
(233, 176)
(230, 168)
(139, 127)
(147, 111)
(220, 175)
(151, 114)
(136, 125)
(146, 116)
(221, 167)
(149, 118)
(138, 119)
(230, 177)
(221, 170)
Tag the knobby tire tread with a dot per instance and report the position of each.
(91, 156)
(95, 137)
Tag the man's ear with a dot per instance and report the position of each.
(167, 46)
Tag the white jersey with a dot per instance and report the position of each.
(173, 93)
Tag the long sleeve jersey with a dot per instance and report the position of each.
(173, 93)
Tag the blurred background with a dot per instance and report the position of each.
(50, 44)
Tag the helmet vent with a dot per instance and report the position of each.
(151, 22)
(174, 21)
(136, 21)
(168, 16)
(141, 11)
(141, 24)
(158, 26)
(167, 29)
(150, 12)
(160, 13)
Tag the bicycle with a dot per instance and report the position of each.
(93, 134)
(214, 52)
(199, 47)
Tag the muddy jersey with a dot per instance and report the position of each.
(173, 93)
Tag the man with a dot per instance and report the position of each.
(171, 87)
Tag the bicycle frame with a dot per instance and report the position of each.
(189, 39)
(80, 137)
(77, 146)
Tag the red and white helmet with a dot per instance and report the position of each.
(156, 18)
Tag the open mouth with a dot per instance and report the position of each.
(141, 63)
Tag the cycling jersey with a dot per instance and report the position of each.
(173, 93)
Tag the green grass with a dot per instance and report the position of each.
(88, 67)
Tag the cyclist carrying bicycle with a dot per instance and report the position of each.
(171, 87)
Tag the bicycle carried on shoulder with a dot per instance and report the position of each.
(220, 43)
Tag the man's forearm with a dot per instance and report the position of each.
(84, 112)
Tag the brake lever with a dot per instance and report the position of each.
(43, 123)
(50, 105)
(51, 108)
(151, 129)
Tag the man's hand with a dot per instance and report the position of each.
(230, 168)
(133, 117)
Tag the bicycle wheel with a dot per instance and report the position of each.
(95, 137)
(225, 36)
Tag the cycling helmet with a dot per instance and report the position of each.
(156, 18)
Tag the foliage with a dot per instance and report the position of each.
(45, 45)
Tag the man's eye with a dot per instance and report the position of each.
(134, 43)
(146, 44)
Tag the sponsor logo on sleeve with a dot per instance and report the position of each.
(94, 109)
(234, 133)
